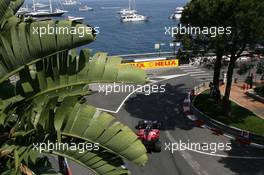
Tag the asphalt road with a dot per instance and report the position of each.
(167, 107)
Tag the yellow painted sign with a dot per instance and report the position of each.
(155, 64)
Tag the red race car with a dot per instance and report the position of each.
(149, 132)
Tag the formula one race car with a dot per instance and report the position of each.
(149, 132)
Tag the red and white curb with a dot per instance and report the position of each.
(243, 140)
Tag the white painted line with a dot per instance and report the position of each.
(192, 117)
(194, 164)
(191, 69)
(125, 99)
(257, 145)
(229, 136)
(166, 76)
(204, 75)
(198, 72)
(212, 154)
(207, 127)
(185, 66)
(153, 81)
(204, 126)
(188, 66)
(194, 70)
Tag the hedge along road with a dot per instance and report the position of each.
(166, 107)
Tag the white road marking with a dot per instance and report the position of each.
(167, 76)
(198, 72)
(194, 164)
(125, 99)
(204, 75)
(194, 70)
(170, 137)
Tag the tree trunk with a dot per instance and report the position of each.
(217, 69)
(230, 71)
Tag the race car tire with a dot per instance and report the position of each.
(141, 124)
(157, 146)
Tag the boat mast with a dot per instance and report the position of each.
(50, 6)
(135, 5)
(129, 6)
(33, 6)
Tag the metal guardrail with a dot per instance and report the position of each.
(252, 94)
(132, 57)
(238, 133)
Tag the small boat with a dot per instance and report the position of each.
(127, 11)
(72, 18)
(85, 8)
(131, 15)
(40, 13)
(177, 14)
(133, 18)
(46, 13)
(69, 2)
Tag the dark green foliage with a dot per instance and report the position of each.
(246, 19)
(240, 117)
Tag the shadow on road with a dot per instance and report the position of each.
(244, 166)
(165, 107)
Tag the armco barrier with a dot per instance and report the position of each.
(253, 95)
(241, 136)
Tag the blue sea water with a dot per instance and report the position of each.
(116, 37)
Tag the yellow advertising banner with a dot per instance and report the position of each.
(155, 64)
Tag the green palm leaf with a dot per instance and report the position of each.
(7, 9)
(16, 4)
(4, 4)
(63, 73)
(100, 162)
(87, 123)
(22, 42)
(43, 84)
(76, 120)
(55, 83)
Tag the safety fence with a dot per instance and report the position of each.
(202, 120)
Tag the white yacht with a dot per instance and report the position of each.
(45, 12)
(69, 2)
(177, 14)
(128, 10)
(72, 18)
(131, 15)
(133, 18)
(85, 8)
